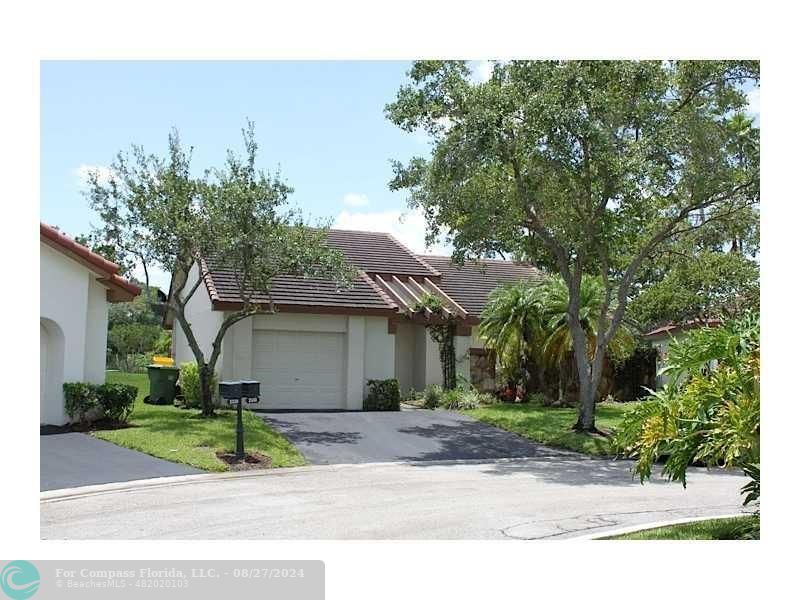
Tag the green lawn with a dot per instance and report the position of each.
(183, 436)
(713, 529)
(551, 426)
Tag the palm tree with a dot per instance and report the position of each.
(512, 324)
(557, 350)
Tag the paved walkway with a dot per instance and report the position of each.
(74, 459)
(414, 435)
(539, 498)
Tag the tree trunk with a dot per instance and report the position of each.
(206, 392)
(563, 380)
(587, 379)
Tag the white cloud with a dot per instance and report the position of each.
(104, 174)
(408, 227)
(481, 70)
(353, 199)
(754, 102)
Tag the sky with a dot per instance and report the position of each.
(321, 123)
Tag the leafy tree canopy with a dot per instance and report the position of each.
(701, 286)
(157, 212)
(580, 166)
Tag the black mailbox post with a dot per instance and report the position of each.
(235, 392)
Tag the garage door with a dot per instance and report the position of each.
(299, 369)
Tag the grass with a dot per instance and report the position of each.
(183, 436)
(552, 426)
(714, 529)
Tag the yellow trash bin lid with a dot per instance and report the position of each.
(164, 361)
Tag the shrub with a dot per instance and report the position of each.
(163, 345)
(450, 399)
(465, 398)
(538, 399)
(79, 399)
(706, 414)
(116, 400)
(432, 396)
(384, 394)
(189, 381)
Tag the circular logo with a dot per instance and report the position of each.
(19, 580)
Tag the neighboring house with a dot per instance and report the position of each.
(661, 337)
(324, 344)
(75, 287)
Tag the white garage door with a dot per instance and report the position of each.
(299, 369)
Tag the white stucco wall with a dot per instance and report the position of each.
(462, 345)
(205, 324)
(369, 347)
(417, 362)
(94, 362)
(379, 348)
(419, 356)
(73, 323)
(661, 344)
(404, 356)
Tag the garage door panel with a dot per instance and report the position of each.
(300, 369)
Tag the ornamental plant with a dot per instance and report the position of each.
(708, 413)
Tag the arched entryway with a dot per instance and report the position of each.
(51, 373)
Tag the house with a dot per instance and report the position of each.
(75, 287)
(323, 345)
(661, 337)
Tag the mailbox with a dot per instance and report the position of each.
(230, 390)
(250, 389)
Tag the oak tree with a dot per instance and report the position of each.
(583, 167)
(236, 215)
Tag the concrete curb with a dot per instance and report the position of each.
(654, 525)
(156, 482)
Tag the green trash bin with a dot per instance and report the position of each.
(163, 380)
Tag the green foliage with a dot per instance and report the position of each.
(551, 426)
(432, 396)
(189, 380)
(383, 394)
(513, 325)
(752, 489)
(143, 309)
(184, 436)
(465, 398)
(734, 528)
(442, 332)
(706, 284)
(537, 399)
(116, 400)
(582, 167)
(710, 410)
(559, 344)
(163, 345)
(79, 399)
(157, 213)
(525, 323)
(129, 343)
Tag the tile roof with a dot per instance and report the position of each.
(378, 253)
(471, 284)
(391, 278)
(296, 291)
(120, 289)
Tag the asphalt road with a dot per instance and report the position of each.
(74, 459)
(547, 497)
(330, 438)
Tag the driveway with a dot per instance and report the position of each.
(519, 499)
(410, 435)
(73, 459)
